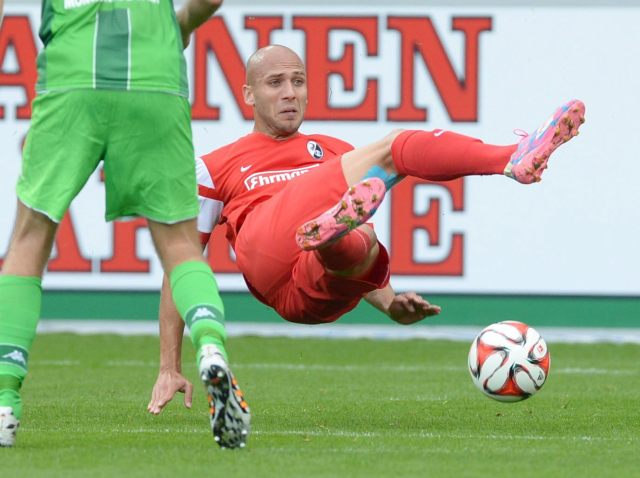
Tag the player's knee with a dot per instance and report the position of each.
(394, 134)
(175, 243)
(33, 228)
(353, 254)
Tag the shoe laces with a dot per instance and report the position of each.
(520, 132)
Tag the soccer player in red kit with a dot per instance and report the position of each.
(295, 206)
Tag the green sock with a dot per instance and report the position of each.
(10, 394)
(195, 293)
(20, 299)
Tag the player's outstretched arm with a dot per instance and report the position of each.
(406, 308)
(1, 11)
(193, 14)
(170, 379)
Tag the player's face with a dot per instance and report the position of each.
(279, 96)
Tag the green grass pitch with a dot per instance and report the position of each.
(327, 408)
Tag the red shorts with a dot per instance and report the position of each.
(292, 281)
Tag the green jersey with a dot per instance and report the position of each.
(111, 44)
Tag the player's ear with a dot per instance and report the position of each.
(247, 93)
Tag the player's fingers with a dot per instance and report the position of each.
(161, 402)
(427, 310)
(408, 303)
(151, 400)
(151, 407)
(434, 309)
(418, 302)
(188, 394)
(426, 306)
(404, 300)
(154, 407)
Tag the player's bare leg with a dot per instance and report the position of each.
(195, 294)
(175, 243)
(31, 243)
(357, 164)
(443, 155)
(436, 156)
(20, 298)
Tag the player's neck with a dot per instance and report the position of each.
(278, 136)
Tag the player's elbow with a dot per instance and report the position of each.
(213, 4)
(205, 7)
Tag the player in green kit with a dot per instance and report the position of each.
(112, 87)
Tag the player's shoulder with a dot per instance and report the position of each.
(225, 155)
(331, 142)
(221, 152)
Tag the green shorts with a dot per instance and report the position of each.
(143, 138)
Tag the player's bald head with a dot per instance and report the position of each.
(268, 57)
(276, 89)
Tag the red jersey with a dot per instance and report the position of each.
(235, 178)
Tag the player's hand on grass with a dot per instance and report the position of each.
(409, 308)
(167, 385)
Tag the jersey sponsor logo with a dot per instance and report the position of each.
(265, 178)
(315, 150)
(244, 169)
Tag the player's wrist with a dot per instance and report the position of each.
(170, 367)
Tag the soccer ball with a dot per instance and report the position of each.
(509, 361)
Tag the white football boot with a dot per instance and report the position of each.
(229, 413)
(8, 426)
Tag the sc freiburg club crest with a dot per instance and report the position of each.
(315, 150)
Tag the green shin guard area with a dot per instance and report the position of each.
(195, 293)
(20, 302)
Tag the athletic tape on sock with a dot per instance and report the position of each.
(390, 179)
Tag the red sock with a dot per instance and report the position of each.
(444, 156)
(346, 253)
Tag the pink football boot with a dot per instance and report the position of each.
(530, 159)
(357, 205)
